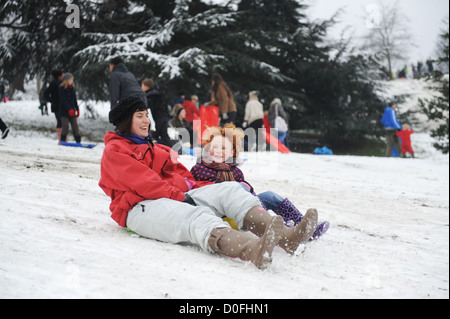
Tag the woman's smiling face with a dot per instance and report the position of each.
(140, 123)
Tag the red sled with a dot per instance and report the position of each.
(209, 117)
(275, 143)
(272, 140)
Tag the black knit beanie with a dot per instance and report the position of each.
(124, 108)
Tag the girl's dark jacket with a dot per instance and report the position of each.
(67, 101)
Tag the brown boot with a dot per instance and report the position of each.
(291, 238)
(300, 234)
(257, 220)
(233, 243)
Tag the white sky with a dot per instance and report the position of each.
(425, 20)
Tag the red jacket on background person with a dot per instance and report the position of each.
(191, 109)
(131, 173)
(405, 135)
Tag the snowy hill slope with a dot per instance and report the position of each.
(388, 237)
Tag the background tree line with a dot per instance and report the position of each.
(263, 45)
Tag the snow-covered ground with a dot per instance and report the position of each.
(389, 235)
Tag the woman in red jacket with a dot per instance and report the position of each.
(157, 197)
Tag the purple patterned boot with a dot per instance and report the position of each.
(292, 217)
(289, 212)
(320, 230)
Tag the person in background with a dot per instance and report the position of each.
(159, 111)
(253, 118)
(51, 94)
(191, 109)
(179, 117)
(391, 126)
(122, 83)
(68, 108)
(194, 99)
(43, 103)
(279, 119)
(179, 123)
(3, 127)
(222, 97)
(430, 66)
(405, 135)
(2, 92)
(178, 98)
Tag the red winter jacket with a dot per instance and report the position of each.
(191, 110)
(131, 173)
(405, 135)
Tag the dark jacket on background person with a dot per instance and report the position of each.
(155, 102)
(122, 83)
(51, 94)
(67, 101)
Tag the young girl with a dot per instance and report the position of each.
(405, 135)
(220, 164)
(68, 108)
(155, 196)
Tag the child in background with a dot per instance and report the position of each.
(405, 135)
(68, 108)
(220, 160)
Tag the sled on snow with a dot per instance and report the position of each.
(275, 143)
(209, 117)
(83, 145)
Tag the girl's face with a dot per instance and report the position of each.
(140, 123)
(182, 114)
(221, 149)
(69, 81)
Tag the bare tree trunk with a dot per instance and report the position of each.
(391, 38)
(38, 83)
(17, 84)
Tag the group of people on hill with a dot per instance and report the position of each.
(415, 72)
(186, 108)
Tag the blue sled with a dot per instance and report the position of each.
(188, 151)
(78, 145)
(323, 151)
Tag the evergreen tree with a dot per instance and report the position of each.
(34, 39)
(437, 109)
(169, 47)
(26, 38)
